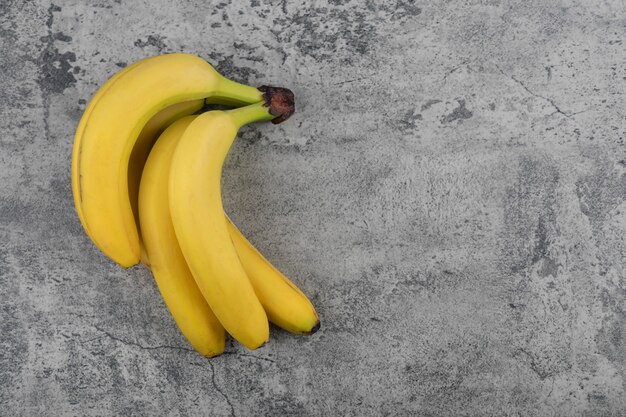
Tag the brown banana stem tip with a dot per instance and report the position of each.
(280, 101)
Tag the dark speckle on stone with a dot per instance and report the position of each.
(225, 65)
(409, 120)
(56, 72)
(405, 8)
(541, 242)
(430, 103)
(121, 64)
(459, 113)
(53, 8)
(59, 36)
(320, 31)
(155, 41)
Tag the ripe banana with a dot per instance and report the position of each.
(285, 305)
(178, 288)
(111, 128)
(145, 141)
(77, 141)
(199, 222)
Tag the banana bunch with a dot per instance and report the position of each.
(146, 170)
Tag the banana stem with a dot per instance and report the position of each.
(277, 106)
(235, 93)
(257, 112)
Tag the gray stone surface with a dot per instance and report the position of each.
(451, 193)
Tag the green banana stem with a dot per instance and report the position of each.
(277, 106)
(234, 93)
(257, 112)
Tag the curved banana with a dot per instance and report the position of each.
(139, 154)
(154, 125)
(149, 134)
(78, 136)
(101, 157)
(178, 288)
(285, 305)
(146, 138)
(201, 228)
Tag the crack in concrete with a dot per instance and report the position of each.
(453, 70)
(349, 81)
(545, 401)
(247, 355)
(139, 345)
(533, 365)
(211, 364)
(570, 114)
(548, 99)
(129, 343)
(218, 389)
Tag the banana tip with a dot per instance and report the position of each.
(211, 353)
(280, 101)
(314, 328)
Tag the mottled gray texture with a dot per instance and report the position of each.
(451, 193)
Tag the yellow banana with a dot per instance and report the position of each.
(178, 288)
(78, 136)
(285, 305)
(145, 141)
(109, 132)
(140, 152)
(199, 221)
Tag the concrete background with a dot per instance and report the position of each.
(451, 193)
